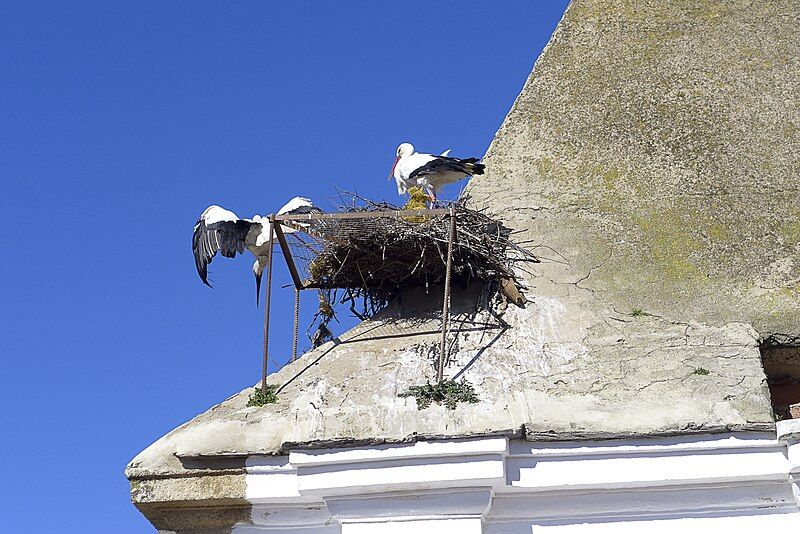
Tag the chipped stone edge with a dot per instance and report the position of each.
(211, 501)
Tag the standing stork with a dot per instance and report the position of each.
(220, 230)
(430, 172)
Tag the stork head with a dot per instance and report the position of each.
(405, 149)
(257, 270)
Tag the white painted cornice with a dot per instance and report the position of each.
(500, 485)
(789, 434)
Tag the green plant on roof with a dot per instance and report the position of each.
(260, 398)
(447, 392)
(701, 371)
(638, 312)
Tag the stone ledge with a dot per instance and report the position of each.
(788, 429)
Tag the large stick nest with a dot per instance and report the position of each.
(365, 262)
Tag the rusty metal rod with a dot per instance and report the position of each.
(266, 304)
(287, 255)
(446, 302)
(296, 322)
(395, 214)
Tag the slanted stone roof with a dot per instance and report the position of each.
(653, 158)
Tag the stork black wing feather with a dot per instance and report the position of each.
(226, 237)
(445, 163)
(231, 236)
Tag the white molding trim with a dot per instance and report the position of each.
(789, 434)
(461, 525)
(493, 485)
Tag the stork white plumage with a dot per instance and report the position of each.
(221, 230)
(412, 169)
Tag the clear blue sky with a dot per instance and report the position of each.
(119, 123)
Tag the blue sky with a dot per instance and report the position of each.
(121, 122)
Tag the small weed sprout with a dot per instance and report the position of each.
(447, 392)
(638, 312)
(268, 396)
(701, 371)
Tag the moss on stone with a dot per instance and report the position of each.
(790, 231)
(544, 166)
(610, 178)
(718, 232)
(671, 245)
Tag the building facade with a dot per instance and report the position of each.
(652, 162)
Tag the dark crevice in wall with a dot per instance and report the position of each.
(780, 356)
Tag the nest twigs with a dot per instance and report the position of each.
(372, 259)
(325, 315)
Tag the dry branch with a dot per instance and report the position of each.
(374, 258)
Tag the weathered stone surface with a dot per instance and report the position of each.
(204, 502)
(561, 368)
(653, 161)
(655, 149)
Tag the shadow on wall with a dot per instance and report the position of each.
(417, 313)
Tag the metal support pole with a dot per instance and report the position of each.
(446, 300)
(266, 304)
(287, 255)
(296, 321)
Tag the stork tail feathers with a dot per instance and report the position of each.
(471, 166)
(477, 168)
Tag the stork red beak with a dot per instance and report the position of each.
(391, 173)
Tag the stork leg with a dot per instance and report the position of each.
(432, 195)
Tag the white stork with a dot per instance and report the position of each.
(430, 172)
(221, 230)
